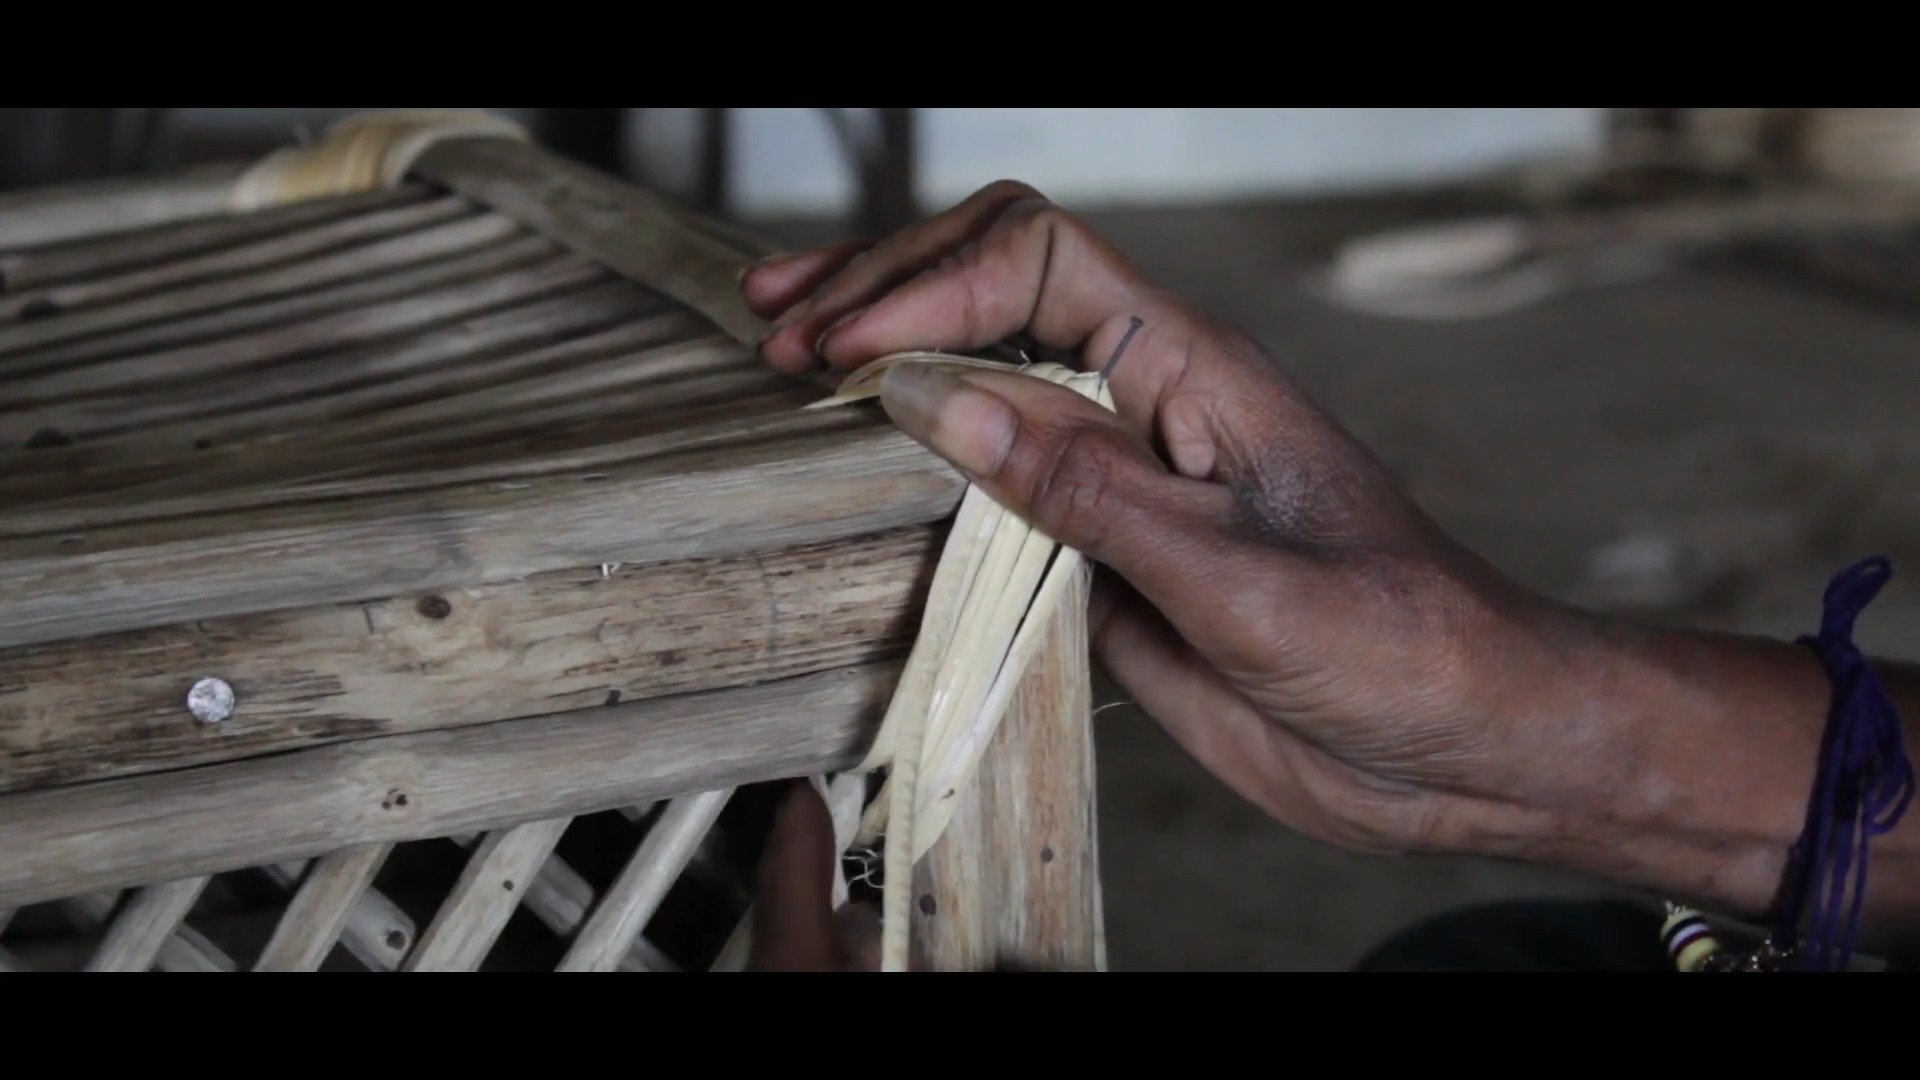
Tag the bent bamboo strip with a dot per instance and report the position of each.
(361, 153)
(997, 585)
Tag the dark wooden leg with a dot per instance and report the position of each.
(589, 136)
(888, 203)
(710, 193)
(89, 142)
(884, 168)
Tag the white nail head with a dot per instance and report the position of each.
(210, 701)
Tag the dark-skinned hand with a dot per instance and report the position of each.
(1275, 602)
(1270, 597)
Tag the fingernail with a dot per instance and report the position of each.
(787, 318)
(839, 324)
(973, 430)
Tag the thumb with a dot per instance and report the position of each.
(1073, 470)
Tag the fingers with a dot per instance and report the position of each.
(776, 284)
(1037, 269)
(1008, 262)
(859, 926)
(1168, 679)
(1076, 472)
(793, 922)
(791, 342)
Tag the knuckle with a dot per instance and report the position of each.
(1038, 214)
(1075, 483)
(1008, 190)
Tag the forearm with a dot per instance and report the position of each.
(1685, 763)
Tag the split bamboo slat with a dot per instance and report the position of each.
(468, 924)
(406, 564)
(377, 932)
(319, 913)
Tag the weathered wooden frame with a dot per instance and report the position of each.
(830, 529)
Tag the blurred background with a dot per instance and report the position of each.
(1663, 361)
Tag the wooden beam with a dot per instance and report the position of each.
(95, 708)
(730, 500)
(1014, 881)
(219, 818)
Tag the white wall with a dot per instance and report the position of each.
(1088, 156)
(786, 160)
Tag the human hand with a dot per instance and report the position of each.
(1273, 600)
(795, 927)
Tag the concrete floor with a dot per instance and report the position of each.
(1705, 448)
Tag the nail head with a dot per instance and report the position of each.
(210, 701)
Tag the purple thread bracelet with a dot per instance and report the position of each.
(1864, 783)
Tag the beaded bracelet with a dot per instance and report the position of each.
(1864, 783)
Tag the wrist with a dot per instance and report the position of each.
(1671, 760)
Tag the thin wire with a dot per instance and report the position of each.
(1133, 327)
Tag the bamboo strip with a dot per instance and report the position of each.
(995, 594)
(53, 215)
(114, 253)
(636, 895)
(338, 332)
(488, 892)
(274, 251)
(186, 950)
(136, 937)
(437, 241)
(426, 421)
(333, 385)
(560, 898)
(208, 327)
(638, 361)
(377, 932)
(708, 863)
(636, 233)
(322, 908)
(361, 152)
